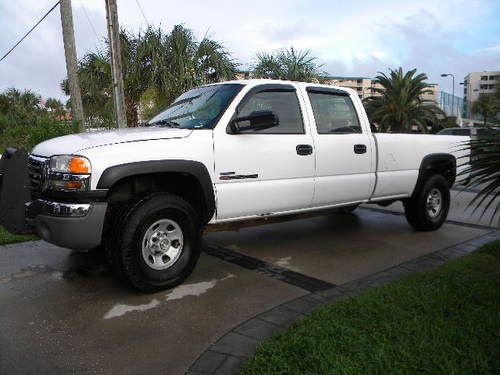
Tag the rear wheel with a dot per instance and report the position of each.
(427, 210)
(158, 243)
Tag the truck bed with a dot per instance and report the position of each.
(399, 157)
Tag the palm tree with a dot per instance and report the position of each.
(400, 104)
(288, 64)
(22, 107)
(483, 170)
(56, 107)
(15, 100)
(488, 106)
(164, 63)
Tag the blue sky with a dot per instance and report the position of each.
(348, 37)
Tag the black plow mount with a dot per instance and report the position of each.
(14, 191)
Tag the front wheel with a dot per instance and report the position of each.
(159, 243)
(428, 209)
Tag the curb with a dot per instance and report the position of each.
(229, 352)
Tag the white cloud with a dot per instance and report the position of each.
(356, 37)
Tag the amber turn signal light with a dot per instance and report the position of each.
(79, 165)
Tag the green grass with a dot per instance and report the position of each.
(6, 237)
(445, 321)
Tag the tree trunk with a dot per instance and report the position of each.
(132, 115)
(396, 128)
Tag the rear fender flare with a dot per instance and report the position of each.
(445, 164)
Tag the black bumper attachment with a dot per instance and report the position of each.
(14, 191)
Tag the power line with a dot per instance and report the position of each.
(29, 32)
(89, 20)
(143, 15)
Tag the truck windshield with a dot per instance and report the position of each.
(199, 108)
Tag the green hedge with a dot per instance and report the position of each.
(26, 136)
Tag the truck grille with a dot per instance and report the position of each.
(36, 168)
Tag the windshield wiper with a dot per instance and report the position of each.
(167, 123)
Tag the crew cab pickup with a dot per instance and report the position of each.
(222, 155)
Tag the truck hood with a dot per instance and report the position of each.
(72, 144)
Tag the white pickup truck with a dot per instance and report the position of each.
(228, 153)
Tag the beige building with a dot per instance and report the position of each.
(365, 86)
(476, 83)
(433, 95)
(362, 85)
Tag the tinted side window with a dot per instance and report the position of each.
(445, 132)
(461, 131)
(483, 132)
(334, 113)
(284, 104)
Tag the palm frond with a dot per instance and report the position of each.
(289, 64)
(482, 169)
(154, 61)
(400, 105)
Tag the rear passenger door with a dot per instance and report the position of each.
(267, 171)
(345, 165)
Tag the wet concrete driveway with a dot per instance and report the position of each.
(62, 312)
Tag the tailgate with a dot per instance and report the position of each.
(14, 191)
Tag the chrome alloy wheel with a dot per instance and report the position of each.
(162, 244)
(434, 203)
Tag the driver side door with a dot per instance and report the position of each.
(264, 172)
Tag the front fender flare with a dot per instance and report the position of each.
(196, 169)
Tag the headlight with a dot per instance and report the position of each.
(69, 164)
(69, 172)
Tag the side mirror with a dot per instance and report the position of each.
(257, 120)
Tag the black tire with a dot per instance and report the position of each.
(126, 254)
(112, 236)
(416, 208)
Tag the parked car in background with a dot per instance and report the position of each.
(472, 132)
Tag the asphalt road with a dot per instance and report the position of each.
(63, 312)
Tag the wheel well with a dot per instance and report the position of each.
(181, 184)
(443, 164)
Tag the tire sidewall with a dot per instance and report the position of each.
(141, 217)
(440, 183)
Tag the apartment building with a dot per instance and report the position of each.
(364, 86)
(476, 83)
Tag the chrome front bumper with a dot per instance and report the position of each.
(51, 208)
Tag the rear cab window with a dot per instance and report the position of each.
(334, 112)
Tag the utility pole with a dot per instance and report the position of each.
(71, 63)
(116, 63)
